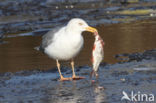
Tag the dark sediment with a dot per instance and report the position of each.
(21, 16)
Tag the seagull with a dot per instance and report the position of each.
(64, 43)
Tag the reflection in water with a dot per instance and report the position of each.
(100, 96)
(19, 53)
(65, 92)
(76, 92)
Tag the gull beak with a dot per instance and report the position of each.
(91, 29)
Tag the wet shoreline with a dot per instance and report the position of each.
(43, 86)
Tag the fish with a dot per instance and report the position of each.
(97, 54)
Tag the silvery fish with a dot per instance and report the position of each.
(97, 54)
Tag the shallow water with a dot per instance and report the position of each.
(19, 54)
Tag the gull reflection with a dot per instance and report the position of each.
(65, 92)
(77, 92)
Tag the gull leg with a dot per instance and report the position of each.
(61, 76)
(72, 65)
(74, 76)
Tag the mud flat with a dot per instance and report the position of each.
(23, 16)
(137, 74)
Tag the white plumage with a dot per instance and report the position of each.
(65, 46)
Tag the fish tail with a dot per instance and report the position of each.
(93, 73)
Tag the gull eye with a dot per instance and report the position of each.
(80, 24)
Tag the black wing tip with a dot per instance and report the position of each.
(37, 48)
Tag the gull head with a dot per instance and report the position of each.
(79, 25)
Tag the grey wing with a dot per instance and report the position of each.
(48, 38)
